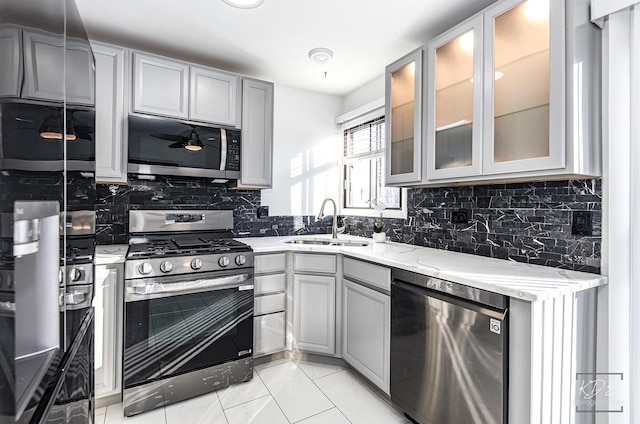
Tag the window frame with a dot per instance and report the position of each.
(352, 119)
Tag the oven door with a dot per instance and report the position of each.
(175, 325)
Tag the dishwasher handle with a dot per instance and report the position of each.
(473, 294)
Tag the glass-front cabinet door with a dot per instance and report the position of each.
(403, 112)
(524, 89)
(454, 102)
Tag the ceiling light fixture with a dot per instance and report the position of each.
(320, 55)
(244, 4)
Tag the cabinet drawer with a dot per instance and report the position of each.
(263, 264)
(268, 304)
(272, 283)
(268, 333)
(375, 275)
(314, 263)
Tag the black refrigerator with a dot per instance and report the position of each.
(47, 193)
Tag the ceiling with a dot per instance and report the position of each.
(271, 42)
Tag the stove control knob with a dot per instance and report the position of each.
(75, 274)
(196, 264)
(166, 266)
(241, 260)
(145, 268)
(223, 261)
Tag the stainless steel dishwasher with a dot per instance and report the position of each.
(448, 351)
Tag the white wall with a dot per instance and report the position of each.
(307, 149)
(366, 94)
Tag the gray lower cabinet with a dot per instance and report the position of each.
(366, 320)
(314, 303)
(257, 134)
(111, 115)
(270, 285)
(108, 304)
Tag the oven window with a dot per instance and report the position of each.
(178, 334)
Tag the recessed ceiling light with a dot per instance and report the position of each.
(320, 55)
(244, 4)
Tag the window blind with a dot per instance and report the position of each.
(364, 139)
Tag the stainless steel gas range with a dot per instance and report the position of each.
(188, 326)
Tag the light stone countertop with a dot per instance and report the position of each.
(515, 279)
(111, 254)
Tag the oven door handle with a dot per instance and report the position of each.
(150, 288)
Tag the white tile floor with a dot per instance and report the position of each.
(281, 392)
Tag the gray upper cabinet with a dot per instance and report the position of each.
(111, 113)
(403, 120)
(42, 55)
(213, 96)
(160, 86)
(454, 102)
(10, 62)
(167, 87)
(79, 73)
(44, 66)
(257, 134)
(513, 94)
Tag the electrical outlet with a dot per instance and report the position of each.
(263, 211)
(582, 223)
(460, 216)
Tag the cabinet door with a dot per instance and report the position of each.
(403, 120)
(79, 72)
(524, 86)
(10, 61)
(454, 102)
(314, 321)
(43, 66)
(366, 326)
(160, 86)
(256, 150)
(108, 329)
(213, 96)
(111, 140)
(269, 333)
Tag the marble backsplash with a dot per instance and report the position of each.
(528, 222)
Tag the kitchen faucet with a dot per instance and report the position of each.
(334, 226)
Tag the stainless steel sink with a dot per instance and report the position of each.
(329, 242)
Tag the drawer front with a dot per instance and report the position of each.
(268, 304)
(314, 263)
(273, 283)
(375, 275)
(276, 262)
(268, 333)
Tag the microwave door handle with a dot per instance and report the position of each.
(223, 149)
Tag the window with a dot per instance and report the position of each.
(363, 160)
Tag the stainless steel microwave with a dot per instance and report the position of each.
(159, 146)
(31, 138)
